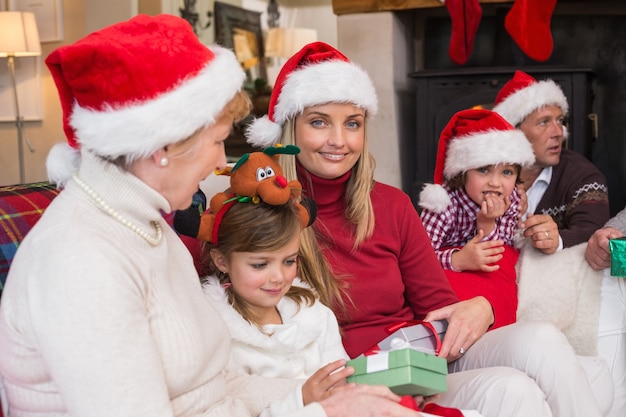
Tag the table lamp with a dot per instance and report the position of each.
(18, 38)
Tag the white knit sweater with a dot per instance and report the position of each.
(94, 321)
(307, 340)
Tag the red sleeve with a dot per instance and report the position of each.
(426, 285)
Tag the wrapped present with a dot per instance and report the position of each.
(419, 335)
(618, 256)
(405, 371)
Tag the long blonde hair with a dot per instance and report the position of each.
(359, 212)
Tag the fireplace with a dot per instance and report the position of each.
(400, 44)
(441, 93)
(588, 61)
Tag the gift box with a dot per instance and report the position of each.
(422, 336)
(404, 371)
(618, 256)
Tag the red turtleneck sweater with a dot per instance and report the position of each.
(393, 276)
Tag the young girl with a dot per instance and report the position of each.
(472, 217)
(278, 327)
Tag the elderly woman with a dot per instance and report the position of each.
(103, 314)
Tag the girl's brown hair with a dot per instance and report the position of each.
(249, 227)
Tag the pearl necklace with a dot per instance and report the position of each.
(104, 206)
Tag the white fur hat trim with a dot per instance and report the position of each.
(490, 147)
(518, 105)
(140, 128)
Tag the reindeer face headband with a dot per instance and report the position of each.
(256, 177)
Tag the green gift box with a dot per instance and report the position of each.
(404, 371)
(618, 256)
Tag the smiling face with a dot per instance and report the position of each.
(544, 130)
(330, 138)
(261, 279)
(498, 180)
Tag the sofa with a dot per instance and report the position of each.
(22, 205)
(541, 294)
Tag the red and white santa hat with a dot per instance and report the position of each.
(317, 74)
(523, 94)
(136, 86)
(472, 139)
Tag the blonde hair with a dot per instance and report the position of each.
(249, 227)
(359, 212)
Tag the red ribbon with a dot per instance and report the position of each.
(439, 410)
(395, 327)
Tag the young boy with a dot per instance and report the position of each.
(472, 210)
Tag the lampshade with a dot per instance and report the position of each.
(18, 34)
(285, 42)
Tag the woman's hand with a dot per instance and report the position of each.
(365, 401)
(468, 321)
(320, 384)
(598, 254)
(542, 231)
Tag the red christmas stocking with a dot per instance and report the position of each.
(465, 16)
(528, 23)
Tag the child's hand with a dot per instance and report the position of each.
(320, 384)
(493, 206)
(477, 255)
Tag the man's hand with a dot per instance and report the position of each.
(598, 254)
(320, 384)
(477, 255)
(542, 232)
(523, 204)
(468, 321)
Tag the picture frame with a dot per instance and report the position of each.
(48, 14)
(240, 30)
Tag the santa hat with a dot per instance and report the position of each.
(523, 94)
(136, 86)
(317, 74)
(472, 139)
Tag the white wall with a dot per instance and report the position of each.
(81, 17)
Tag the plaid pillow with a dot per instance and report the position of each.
(21, 207)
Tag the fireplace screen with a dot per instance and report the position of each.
(442, 93)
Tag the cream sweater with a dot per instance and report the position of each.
(94, 321)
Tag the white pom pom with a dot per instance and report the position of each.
(61, 163)
(263, 133)
(434, 198)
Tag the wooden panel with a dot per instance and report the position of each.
(363, 6)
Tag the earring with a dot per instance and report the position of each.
(164, 161)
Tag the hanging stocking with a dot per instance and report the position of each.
(465, 16)
(528, 23)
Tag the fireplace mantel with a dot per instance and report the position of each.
(364, 6)
(342, 7)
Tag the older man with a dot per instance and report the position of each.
(567, 194)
